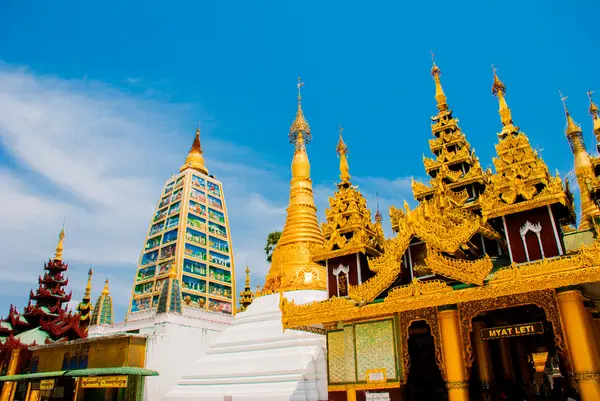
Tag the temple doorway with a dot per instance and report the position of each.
(516, 357)
(424, 380)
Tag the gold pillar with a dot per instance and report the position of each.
(596, 322)
(580, 343)
(351, 394)
(506, 357)
(592, 331)
(483, 358)
(7, 390)
(454, 362)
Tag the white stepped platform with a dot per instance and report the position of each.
(255, 360)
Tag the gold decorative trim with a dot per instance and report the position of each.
(466, 271)
(587, 376)
(543, 275)
(544, 299)
(457, 385)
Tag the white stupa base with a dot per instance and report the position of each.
(254, 359)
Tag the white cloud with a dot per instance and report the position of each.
(100, 157)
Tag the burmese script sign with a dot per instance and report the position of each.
(377, 396)
(104, 382)
(47, 384)
(525, 329)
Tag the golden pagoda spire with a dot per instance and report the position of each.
(595, 113)
(573, 130)
(88, 288)
(342, 152)
(583, 170)
(105, 289)
(59, 246)
(247, 277)
(499, 90)
(300, 130)
(292, 267)
(377, 213)
(195, 157)
(440, 96)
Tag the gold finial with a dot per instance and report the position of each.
(88, 287)
(195, 157)
(377, 213)
(499, 90)
(59, 246)
(342, 152)
(105, 289)
(572, 127)
(300, 130)
(247, 277)
(595, 113)
(440, 97)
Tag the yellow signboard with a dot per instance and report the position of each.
(104, 382)
(47, 384)
(516, 330)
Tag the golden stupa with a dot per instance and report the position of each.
(292, 267)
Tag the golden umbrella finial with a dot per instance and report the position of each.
(440, 96)
(499, 90)
(572, 127)
(59, 246)
(300, 130)
(342, 152)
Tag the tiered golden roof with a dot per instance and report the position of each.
(584, 171)
(455, 164)
(195, 157)
(292, 267)
(348, 228)
(521, 181)
(246, 296)
(85, 307)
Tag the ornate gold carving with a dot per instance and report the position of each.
(467, 271)
(520, 173)
(457, 385)
(544, 299)
(349, 228)
(587, 376)
(429, 315)
(417, 288)
(543, 275)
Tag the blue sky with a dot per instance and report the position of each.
(98, 104)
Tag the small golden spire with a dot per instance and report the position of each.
(88, 287)
(105, 289)
(377, 213)
(247, 277)
(59, 246)
(499, 90)
(300, 130)
(195, 157)
(342, 152)
(595, 113)
(440, 97)
(572, 127)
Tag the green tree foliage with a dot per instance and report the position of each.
(272, 241)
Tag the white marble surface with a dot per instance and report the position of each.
(254, 359)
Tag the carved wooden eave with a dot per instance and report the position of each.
(349, 228)
(444, 231)
(580, 268)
